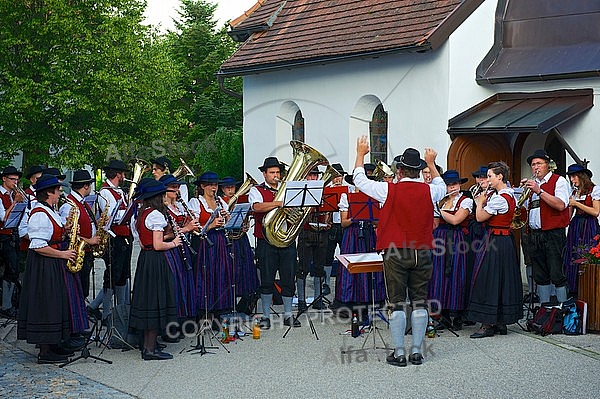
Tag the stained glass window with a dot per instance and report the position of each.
(378, 133)
(298, 128)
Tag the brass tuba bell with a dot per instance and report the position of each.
(138, 168)
(244, 188)
(282, 225)
(183, 170)
(382, 170)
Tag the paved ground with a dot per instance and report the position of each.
(518, 365)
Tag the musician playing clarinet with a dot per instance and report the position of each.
(405, 236)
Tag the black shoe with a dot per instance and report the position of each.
(457, 324)
(59, 350)
(399, 361)
(95, 314)
(500, 329)
(10, 313)
(326, 289)
(483, 332)
(468, 323)
(288, 322)
(74, 343)
(51, 358)
(155, 355)
(302, 306)
(416, 358)
(264, 323)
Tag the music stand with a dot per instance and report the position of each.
(16, 214)
(233, 225)
(206, 324)
(304, 194)
(370, 262)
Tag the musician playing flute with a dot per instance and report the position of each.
(447, 289)
(405, 236)
(497, 292)
(585, 205)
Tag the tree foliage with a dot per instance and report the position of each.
(213, 117)
(79, 75)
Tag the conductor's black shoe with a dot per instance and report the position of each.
(51, 358)
(264, 323)
(288, 322)
(500, 329)
(326, 289)
(156, 355)
(399, 361)
(302, 306)
(416, 358)
(10, 313)
(95, 314)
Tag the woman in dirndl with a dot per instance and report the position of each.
(246, 273)
(153, 305)
(354, 289)
(585, 205)
(181, 260)
(447, 289)
(496, 292)
(44, 312)
(214, 267)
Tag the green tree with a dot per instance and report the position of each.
(214, 118)
(77, 76)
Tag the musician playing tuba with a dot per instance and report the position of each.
(81, 187)
(548, 216)
(270, 258)
(246, 276)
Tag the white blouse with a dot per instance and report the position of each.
(40, 227)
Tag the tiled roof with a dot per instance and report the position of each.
(296, 32)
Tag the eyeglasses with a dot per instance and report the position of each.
(538, 163)
(13, 178)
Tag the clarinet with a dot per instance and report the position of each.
(177, 232)
(187, 211)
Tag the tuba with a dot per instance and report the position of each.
(182, 170)
(139, 168)
(75, 242)
(382, 170)
(282, 225)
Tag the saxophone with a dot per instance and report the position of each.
(75, 242)
(98, 250)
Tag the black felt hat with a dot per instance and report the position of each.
(339, 168)
(82, 176)
(538, 154)
(116, 164)
(271, 162)
(54, 172)
(411, 159)
(33, 170)
(11, 170)
(162, 161)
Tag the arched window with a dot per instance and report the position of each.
(298, 128)
(378, 134)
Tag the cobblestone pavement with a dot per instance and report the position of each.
(22, 377)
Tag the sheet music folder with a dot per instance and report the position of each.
(15, 215)
(238, 215)
(303, 193)
(362, 262)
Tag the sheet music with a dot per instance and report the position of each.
(361, 258)
(303, 193)
(15, 216)
(237, 217)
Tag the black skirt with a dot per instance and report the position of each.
(497, 291)
(44, 307)
(153, 303)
